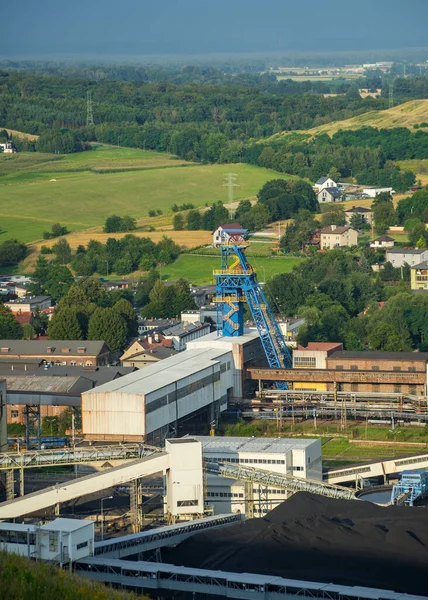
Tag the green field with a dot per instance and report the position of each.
(199, 269)
(85, 191)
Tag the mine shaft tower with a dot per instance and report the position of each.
(236, 283)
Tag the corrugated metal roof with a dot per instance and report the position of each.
(38, 383)
(227, 445)
(163, 373)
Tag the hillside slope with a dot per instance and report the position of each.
(404, 115)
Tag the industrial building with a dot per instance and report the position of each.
(62, 541)
(82, 353)
(3, 416)
(150, 404)
(297, 457)
(324, 367)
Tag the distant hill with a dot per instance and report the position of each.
(404, 115)
(20, 134)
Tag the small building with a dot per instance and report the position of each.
(372, 192)
(202, 294)
(365, 214)
(329, 194)
(62, 541)
(7, 148)
(148, 350)
(29, 303)
(296, 457)
(315, 354)
(55, 352)
(290, 328)
(3, 416)
(399, 257)
(324, 182)
(337, 236)
(181, 334)
(383, 241)
(419, 276)
(145, 325)
(225, 232)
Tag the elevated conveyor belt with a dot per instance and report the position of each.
(72, 456)
(376, 469)
(156, 462)
(159, 576)
(162, 536)
(287, 482)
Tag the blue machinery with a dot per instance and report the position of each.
(237, 283)
(412, 485)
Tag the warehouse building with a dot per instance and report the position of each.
(154, 403)
(3, 416)
(298, 457)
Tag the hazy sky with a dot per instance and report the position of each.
(109, 27)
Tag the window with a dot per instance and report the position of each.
(412, 389)
(413, 369)
(189, 502)
(298, 468)
(354, 367)
(375, 387)
(82, 545)
(305, 361)
(397, 389)
(14, 414)
(339, 367)
(53, 542)
(375, 368)
(354, 387)
(396, 368)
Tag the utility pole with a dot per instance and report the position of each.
(229, 182)
(391, 93)
(89, 112)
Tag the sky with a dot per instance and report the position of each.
(139, 27)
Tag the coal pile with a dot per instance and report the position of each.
(313, 538)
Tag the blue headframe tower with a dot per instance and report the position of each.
(236, 283)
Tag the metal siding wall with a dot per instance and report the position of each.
(113, 413)
(3, 415)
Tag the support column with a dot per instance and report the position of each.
(21, 482)
(249, 499)
(57, 506)
(10, 484)
(135, 498)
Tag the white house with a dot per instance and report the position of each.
(226, 232)
(324, 182)
(399, 257)
(336, 236)
(7, 148)
(329, 194)
(383, 241)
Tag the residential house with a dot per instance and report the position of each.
(145, 325)
(181, 334)
(383, 241)
(202, 294)
(419, 276)
(29, 303)
(226, 232)
(399, 257)
(329, 194)
(324, 182)
(54, 352)
(7, 148)
(365, 214)
(336, 236)
(148, 350)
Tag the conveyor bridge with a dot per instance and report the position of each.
(159, 576)
(153, 539)
(288, 482)
(376, 469)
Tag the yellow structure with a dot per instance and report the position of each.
(419, 276)
(306, 385)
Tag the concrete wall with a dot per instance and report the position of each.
(184, 477)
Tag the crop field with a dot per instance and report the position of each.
(418, 166)
(199, 269)
(80, 190)
(404, 115)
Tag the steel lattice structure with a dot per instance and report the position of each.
(287, 482)
(236, 283)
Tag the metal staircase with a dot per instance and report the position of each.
(236, 283)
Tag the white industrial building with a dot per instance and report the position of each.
(61, 541)
(149, 404)
(297, 457)
(3, 415)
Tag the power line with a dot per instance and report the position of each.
(89, 112)
(230, 183)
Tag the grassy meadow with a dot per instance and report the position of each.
(81, 190)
